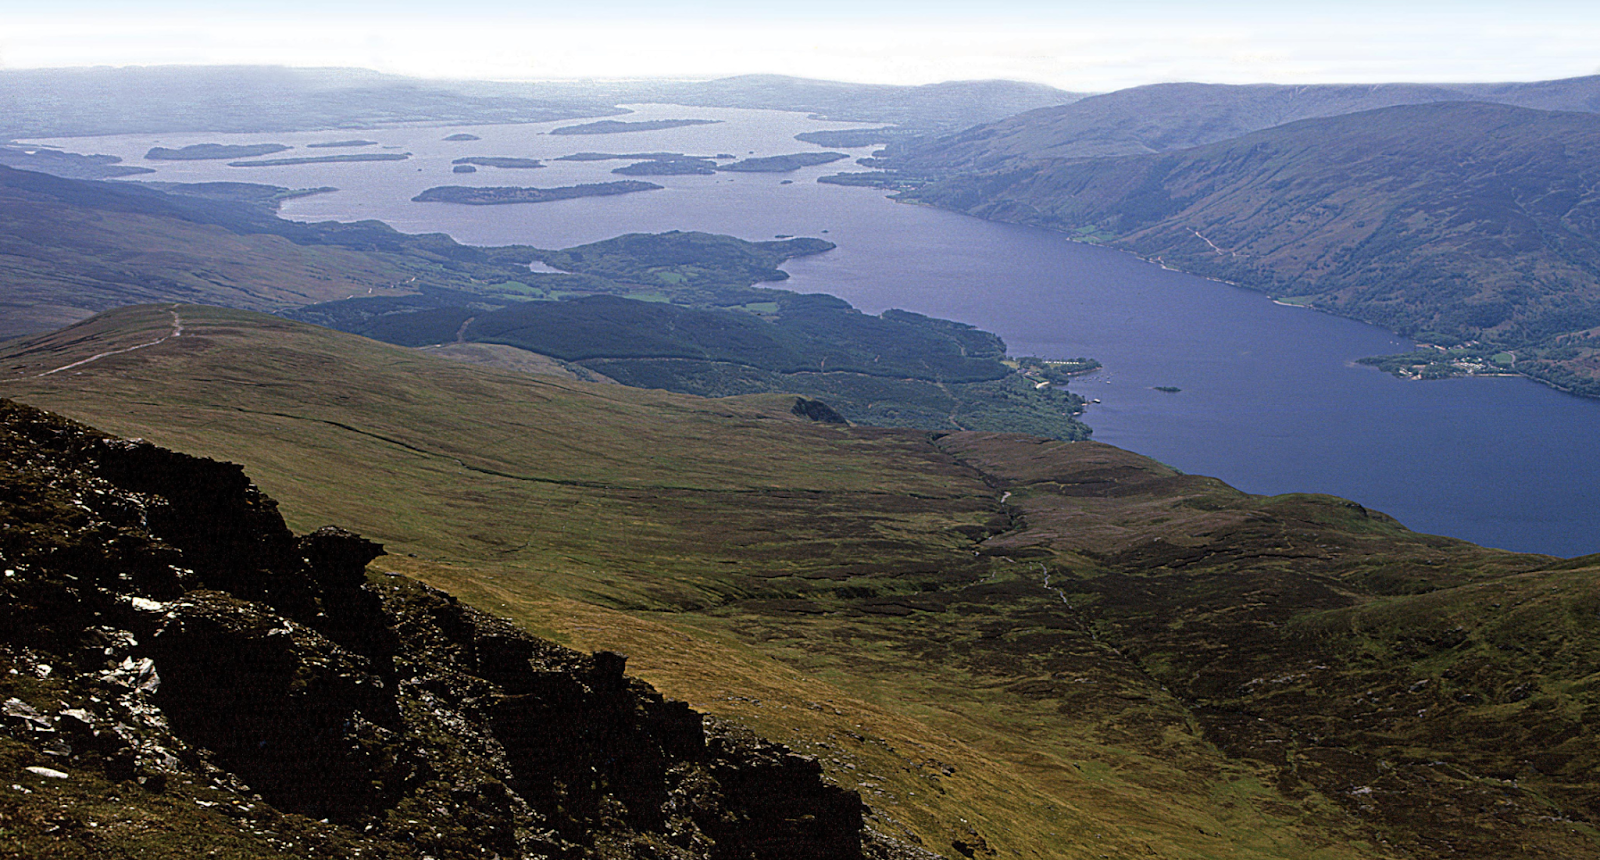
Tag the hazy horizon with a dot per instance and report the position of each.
(1072, 46)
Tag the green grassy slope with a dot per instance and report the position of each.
(1012, 647)
(1452, 223)
(182, 676)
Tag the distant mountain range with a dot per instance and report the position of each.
(1167, 117)
(928, 108)
(100, 100)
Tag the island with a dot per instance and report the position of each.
(500, 161)
(463, 136)
(613, 126)
(206, 151)
(463, 168)
(670, 167)
(330, 144)
(323, 159)
(496, 195)
(782, 163)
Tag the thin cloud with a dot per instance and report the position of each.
(1074, 46)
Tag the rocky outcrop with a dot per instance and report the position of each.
(816, 410)
(164, 631)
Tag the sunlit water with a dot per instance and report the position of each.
(1270, 399)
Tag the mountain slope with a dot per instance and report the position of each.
(1451, 222)
(1169, 117)
(165, 630)
(1036, 649)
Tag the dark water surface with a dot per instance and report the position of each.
(1270, 400)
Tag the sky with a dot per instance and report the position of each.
(1080, 46)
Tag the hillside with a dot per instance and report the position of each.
(1465, 225)
(1169, 117)
(76, 248)
(1010, 647)
(186, 677)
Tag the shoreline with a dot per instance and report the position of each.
(1161, 263)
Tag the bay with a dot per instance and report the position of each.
(1269, 397)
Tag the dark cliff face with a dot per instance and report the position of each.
(167, 637)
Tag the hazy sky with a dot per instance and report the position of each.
(1074, 45)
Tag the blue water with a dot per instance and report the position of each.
(1270, 399)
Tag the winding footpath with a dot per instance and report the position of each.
(177, 330)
